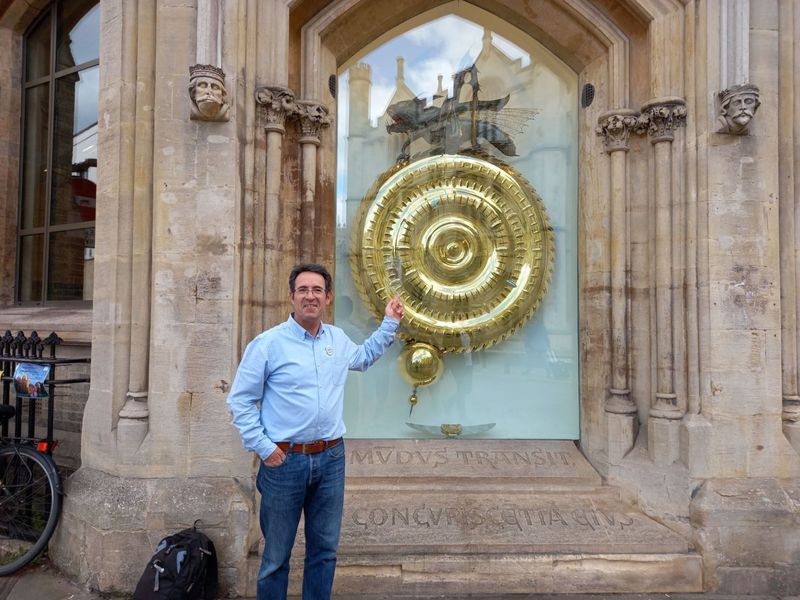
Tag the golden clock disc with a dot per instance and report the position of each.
(465, 242)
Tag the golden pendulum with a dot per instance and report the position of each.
(412, 400)
(420, 364)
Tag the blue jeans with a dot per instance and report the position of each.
(314, 485)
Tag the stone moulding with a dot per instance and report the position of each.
(616, 127)
(620, 402)
(312, 116)
(209, 98)
(791, 409)
(660, 117)
(276, 103)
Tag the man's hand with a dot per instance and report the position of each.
(275, 459)
(394, 309)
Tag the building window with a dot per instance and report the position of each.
(413, 218)
(59, 155)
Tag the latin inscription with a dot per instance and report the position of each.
(507, 516)
(492, 459)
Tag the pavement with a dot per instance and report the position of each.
(42, 581)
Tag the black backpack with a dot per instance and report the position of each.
(183, 567)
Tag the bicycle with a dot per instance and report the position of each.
(30, 498)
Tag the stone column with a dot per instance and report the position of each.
(789, 124)
(276, 103)
(663, 116)
(313, 117)
(133, 418)
(734, 42)
(209, 97)
(615, 127)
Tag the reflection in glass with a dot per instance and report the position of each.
(59, 154)
(31, 251)
(37, 50)
(71, 265)
(34, 160)
(78, 33)
(75, 148)
(526, 385)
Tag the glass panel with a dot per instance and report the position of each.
(31, 261)
(75, 148)
(37, 50)
(71, 265)
(34, 160)
(78, 33)
(521, 103)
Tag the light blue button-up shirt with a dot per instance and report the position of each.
(298, 380)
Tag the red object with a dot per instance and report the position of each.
(84, 194)
(45, 446)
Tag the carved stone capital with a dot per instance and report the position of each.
(275, 104)
(616, 126)
(660, 117)
(312, 117)
(736, 108)
(208, 94)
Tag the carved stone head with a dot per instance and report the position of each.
(737, 107)
(208, 93)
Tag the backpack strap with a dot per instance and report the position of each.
(211, 581)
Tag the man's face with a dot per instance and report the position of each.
(309, 298)
(208, 95)
(741, 108)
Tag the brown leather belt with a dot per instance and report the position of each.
(309, 447)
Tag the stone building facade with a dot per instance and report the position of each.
(216, 171)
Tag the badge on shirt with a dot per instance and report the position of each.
(329, 350)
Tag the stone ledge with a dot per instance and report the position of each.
(545, 462)
(116, 522)
(428, 576)
(749, 533)
(433, 521)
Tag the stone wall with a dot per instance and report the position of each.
(685, 339)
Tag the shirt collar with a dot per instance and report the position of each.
(299, 331)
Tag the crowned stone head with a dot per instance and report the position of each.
(737, 107)
(208, 93)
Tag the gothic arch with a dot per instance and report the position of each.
(623, 49)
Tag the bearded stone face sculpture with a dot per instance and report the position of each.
(208, 93)
(737, 107)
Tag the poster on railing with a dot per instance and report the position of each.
(29, 380)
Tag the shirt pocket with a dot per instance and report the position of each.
(337, 368)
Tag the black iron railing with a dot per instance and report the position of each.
(15, 349)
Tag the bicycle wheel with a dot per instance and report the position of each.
(30, 502)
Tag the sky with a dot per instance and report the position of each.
(440, 47)
(85, 45)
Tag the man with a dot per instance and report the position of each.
(287, 402)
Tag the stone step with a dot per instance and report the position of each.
(492, 575)
(433, 543)
(463, 522)
(452, 517)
